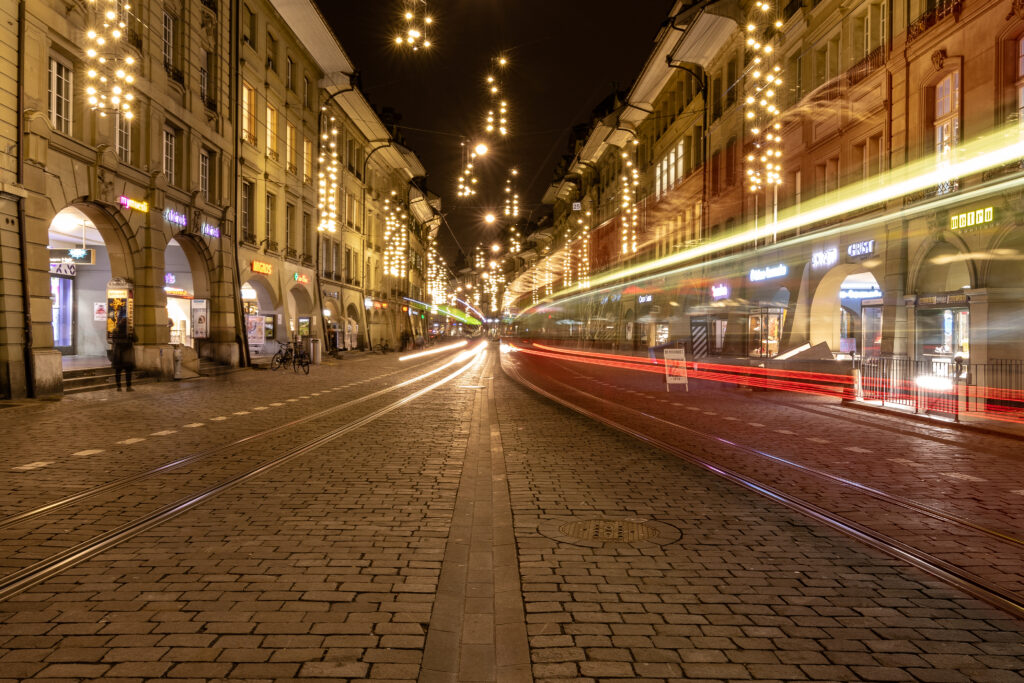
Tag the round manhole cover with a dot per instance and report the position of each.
(608, 530)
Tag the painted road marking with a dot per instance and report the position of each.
(292, 400)
(731, 418)
(857, 449)
(904, 461)
(1019, 492)
(260, 408)
(32, 466)
(91, 451)
(277, 404)
(755, 424)
(785, 431)
(165, 432)
(134, 439)
(218, 419)
(708, 412)
(241, 412)
(691, 408)
(193, 425)
(817, 439)
(958, 475)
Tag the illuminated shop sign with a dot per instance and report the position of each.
(169, 278)
(769, 273)
(210, 230)
(177, 293)
(645, 298)
(175, 217)
(860, 294)
(824, 259)
(971, 219)
(73, 256)
(368, 302)
(134, 204)
(299, 277)
(262, 267)
(861, 248)
(720, 291)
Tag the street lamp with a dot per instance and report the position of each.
(480, 149)
(489, 218)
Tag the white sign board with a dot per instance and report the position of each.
(675, 368)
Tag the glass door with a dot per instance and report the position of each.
(62, 302)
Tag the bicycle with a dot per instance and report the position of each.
(382, 347)
(284, 355)
(301, 360)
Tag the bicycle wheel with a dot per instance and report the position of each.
(276, 361)
(304, 362)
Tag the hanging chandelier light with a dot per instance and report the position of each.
(630, 182)
(109, 63)
(328, 179)
(764, 80)
(415, 32)
(496, 121)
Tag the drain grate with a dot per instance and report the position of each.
(608, 530)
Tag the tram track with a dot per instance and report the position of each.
(1009, 600)
(111, 486)
(39, 571)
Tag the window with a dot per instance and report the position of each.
(305, 93)
(1020, 82)
(248, 26)
(271, 132)
(245, 215)
(716, 165)
(671, 170)
(793, 77)
(289, 73)
(123, 139)
(269, 220)
(730, 84)
(289, 216)
(271, 52)
(169, 30)
(350, 209)
(730, 163)
(170, 141)
(60, 91)
(204, 75)
(307, 160)
(795, 182)
(658, 182)
(716, 98)
(204, 174)
(679, 160)
(947, 115)
(290, 150)
(248, 113)
(307, 234)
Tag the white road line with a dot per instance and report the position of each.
(817, 439)
(730, 418)
(691, 408)
(91, 451)
(1019, 492)
(260, 408)
(218, 419)
(708, 412)
(292, 400)
(858, 449)
(32, 466)
(785, 431)
(316, 393)
(277, 404)
(165, 432)
(241, 412)
(193, 425)
(303, 396)
(904, 461)
(134, 439)
(958, 475)
(755, 424)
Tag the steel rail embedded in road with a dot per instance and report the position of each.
(85, 494)
(24, 579)
(1008, 601)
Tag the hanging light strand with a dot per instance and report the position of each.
(764, 80)
(328, 179)
(109, 63)
(415, 32)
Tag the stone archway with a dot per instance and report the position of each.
(943, 268)
(826, 304)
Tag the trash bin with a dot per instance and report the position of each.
(314, 351)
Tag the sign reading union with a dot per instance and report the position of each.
(262, 267)
(769, 273)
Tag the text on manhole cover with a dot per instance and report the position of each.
(612, 530)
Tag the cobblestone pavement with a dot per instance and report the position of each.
(447, 540)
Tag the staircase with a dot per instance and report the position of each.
(94, 379)
(212, 368)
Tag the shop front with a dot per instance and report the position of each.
(766, 318)
(943, 327)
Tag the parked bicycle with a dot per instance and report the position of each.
(382, 346)
(301, 361)
(284, 355)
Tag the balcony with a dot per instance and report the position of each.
(290, 253)
(249, 136)
(133, 38)
(862, 69)
(249, 239)
(942, 9)
(210, 104)
(174, 73)
(210, 5)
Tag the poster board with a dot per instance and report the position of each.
(675, 368)
(255, 330)
(200, 319)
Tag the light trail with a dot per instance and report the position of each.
(431, 352)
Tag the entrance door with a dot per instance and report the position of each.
(62, 298)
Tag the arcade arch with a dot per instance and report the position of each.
(836, 316)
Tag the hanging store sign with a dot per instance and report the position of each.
(719, 292)
(971, 219)
(645, 298)
(177, 292)
(63, 269)
(175, 217)
(299, 277)
(769, 273)
(858, 249)
(169, 278)
(78, 256)
(134, 204)
(860, 294)
(368, 302)
(210, 230)
(825, 258)
(262, 267)
(942, 299)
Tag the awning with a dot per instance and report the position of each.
(707, 32)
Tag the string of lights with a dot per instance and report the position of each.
(630, 184)
(415, 33)
(328, 178)
(763, 162)
(109, 64)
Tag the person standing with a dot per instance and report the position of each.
(122, 353)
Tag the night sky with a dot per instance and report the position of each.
(565, 56)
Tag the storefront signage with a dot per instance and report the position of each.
(299, 277)
(262, 267)
(858, 249)
(675, 367)
(645, 298)
(971, 219)
(63, 269)
(368, 302)
(177, 292)
(769, 273)
(134, 204)
(943, 299)
(169, 278)
(210, 230)
(175, 217)
(720, 291)
(331, 295)
(825, 258)
(73, 256)
(860, 294)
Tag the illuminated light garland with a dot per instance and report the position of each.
(629, 215)
(511, 196)
(468, 180)
(328, 180)
(496, 122)
(396, 238)
(764, 168)
(109, 65)
(515, 244)
(415, 32)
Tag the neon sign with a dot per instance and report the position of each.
(135, 204)
(720, 291)
(861, 248)
(825, 258)
(175, 217)
(299, 277)
(262, 267)
(210, 230)
(971, 219)
(769, 273)
(860, 294)
(645, 298)
(169, 278)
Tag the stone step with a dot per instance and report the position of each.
(95, 379)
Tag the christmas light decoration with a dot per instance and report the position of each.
(415, 32)
(109, 62)
(762, 113)
(630, 183)
(511, 196)
(496, 120)
(328, 179)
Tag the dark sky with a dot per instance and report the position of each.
(565, 56)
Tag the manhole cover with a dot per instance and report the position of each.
(608, 530)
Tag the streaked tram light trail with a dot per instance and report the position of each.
(431, 352)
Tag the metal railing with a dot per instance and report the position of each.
(932, 16)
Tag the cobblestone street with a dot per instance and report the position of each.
(475, 532)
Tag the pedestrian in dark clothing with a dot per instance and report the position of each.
(122, 353)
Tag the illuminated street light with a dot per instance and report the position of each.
(489, 218)
(480, 149)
